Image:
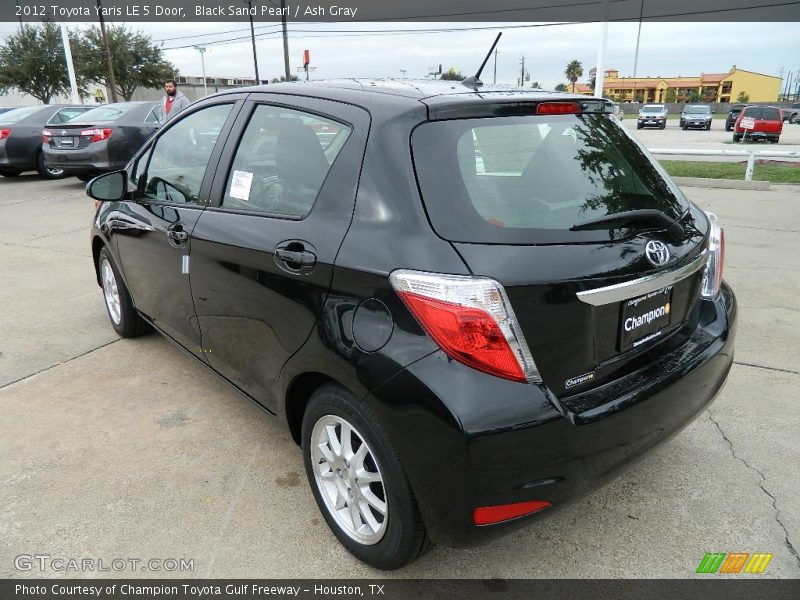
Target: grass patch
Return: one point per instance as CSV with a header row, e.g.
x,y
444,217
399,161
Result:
x,y
771,171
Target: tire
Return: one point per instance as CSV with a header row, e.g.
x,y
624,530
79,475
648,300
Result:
x,y
682,124
638,126
793,119
119,306
10,172
737,137
684,127
708,126
393,540
45,171
662,126
728,127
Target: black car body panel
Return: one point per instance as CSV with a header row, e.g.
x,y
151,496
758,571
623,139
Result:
x,y
78,155
21,147
279,304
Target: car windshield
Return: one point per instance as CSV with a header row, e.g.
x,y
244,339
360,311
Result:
x,y
529,179
105,114
15,116
653,109
698,110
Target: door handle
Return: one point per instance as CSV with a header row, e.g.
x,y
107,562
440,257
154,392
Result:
x,y
304,258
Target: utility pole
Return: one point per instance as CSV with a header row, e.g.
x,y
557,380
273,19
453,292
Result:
x,y
73,83
601,51
253,39
288,72
522,73
112,82
638,36
202,52
495,67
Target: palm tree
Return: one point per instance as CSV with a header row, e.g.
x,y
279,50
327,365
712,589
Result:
x,y
574,71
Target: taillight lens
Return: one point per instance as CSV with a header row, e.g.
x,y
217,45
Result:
x,y
47,136
471,319
97,135
558,108
712,278
4,133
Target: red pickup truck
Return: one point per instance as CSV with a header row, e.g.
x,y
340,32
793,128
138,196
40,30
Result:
x,y
759,122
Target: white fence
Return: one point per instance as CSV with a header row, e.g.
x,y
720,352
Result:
x,y
751,155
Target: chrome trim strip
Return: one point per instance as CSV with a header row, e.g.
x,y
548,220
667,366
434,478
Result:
x,y
644,285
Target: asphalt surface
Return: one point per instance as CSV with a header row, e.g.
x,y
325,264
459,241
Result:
x,y
113,448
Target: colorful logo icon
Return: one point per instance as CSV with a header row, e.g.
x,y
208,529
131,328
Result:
x,y
734,562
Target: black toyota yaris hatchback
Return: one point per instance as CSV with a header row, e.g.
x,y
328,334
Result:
x,y
470,306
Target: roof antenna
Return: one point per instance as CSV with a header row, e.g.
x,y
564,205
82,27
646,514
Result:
x,y
475,80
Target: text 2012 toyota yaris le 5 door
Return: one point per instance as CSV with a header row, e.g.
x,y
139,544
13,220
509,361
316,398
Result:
x,y
469,307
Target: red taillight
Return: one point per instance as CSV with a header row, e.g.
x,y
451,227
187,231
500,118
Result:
x,y
4,133
47,136
486,515
471,319
467,334
558,108
97,135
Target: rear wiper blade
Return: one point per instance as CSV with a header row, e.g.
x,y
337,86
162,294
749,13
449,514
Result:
x,y
654,217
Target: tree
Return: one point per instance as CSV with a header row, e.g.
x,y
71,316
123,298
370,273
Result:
x,y
137,61
592,82
743,97
561,88
574,71
32,61
536,85
282,79
670,96
694,96
452,75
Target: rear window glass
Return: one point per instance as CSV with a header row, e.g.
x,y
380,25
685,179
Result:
x,y
529,179
106,114
16,115
754,112
771,114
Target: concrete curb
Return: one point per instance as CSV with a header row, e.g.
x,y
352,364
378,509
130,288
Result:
x,y
730,184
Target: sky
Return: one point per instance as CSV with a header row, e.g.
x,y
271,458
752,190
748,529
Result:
x,y
347,50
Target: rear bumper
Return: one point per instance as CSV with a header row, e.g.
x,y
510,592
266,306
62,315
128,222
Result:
x,y
482,441
79,161
758,135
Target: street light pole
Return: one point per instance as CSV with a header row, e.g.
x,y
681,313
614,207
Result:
x,y
203,63
285,42
112,82
73,84
253,39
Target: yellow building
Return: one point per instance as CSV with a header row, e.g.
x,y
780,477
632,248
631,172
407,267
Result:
x,y
709,87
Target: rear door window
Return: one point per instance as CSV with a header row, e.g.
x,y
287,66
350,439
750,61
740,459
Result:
x,y
754,112
282,161
528,180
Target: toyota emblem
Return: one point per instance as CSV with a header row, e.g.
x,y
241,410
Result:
x,y
657,253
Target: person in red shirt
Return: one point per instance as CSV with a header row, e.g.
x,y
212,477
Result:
x,y
174,102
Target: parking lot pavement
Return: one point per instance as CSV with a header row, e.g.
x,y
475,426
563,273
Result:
x,y
127,448
714,139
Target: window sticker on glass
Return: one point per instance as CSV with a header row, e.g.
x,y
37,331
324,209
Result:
x,y
240,185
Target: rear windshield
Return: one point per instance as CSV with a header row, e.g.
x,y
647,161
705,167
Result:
x,y
523,180
105,114
15,116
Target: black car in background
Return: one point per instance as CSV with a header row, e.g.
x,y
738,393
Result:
x,y
103,139
470,306
733,114
21,137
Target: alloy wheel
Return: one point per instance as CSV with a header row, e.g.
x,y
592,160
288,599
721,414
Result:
x,y
111,291
349,479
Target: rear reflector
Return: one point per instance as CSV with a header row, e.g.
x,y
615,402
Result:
x,y
471,320
558,108
4,133
487,515
97,135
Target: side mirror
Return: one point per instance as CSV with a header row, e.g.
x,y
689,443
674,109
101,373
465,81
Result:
x,y
108,187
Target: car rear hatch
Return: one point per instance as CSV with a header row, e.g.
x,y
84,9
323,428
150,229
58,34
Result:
x,y
67,136
601,256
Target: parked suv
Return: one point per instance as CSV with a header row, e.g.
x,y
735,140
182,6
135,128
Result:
x,y
759,123
791,114
733,114
469,306
698,116
652,115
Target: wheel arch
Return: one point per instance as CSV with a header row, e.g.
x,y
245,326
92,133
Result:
x,y
297,396
97,244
